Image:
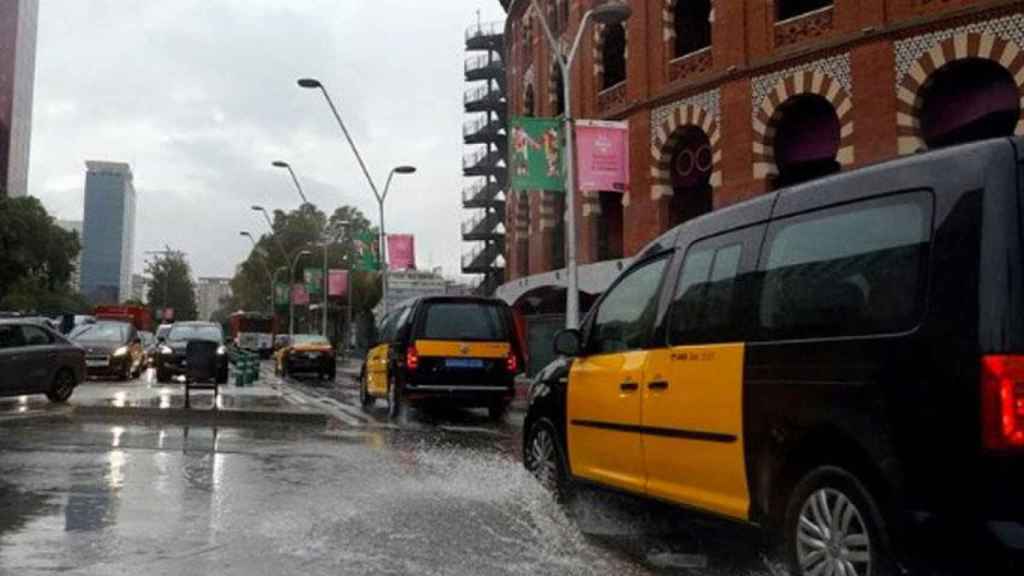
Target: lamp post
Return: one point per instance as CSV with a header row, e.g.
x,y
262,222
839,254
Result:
x,y
283,164
313,84
347,226
612,12
270,225
270,277
291,300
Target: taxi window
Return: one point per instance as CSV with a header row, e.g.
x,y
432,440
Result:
x,y
464,321
625,316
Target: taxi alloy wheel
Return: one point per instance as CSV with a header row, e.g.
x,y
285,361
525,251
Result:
x,y
543,459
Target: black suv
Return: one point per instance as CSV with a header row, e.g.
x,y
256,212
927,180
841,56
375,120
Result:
x,y
834,361
170,357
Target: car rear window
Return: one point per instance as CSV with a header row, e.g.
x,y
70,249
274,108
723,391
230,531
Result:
x,y
464,321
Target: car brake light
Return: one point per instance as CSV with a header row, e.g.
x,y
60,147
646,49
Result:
x,y
512,362
412,358
1002,402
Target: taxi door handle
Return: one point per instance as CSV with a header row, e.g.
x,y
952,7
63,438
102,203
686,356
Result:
x,y
657,385
629,386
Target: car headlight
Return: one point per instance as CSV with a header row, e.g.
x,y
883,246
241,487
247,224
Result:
x,y
222,350
121,351
166,350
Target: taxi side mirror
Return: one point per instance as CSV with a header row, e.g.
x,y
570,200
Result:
x,y
568,343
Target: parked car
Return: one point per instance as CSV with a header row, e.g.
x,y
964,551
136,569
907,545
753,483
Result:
x,y
461,350
309,353
833,361
36,360
112,349
170,359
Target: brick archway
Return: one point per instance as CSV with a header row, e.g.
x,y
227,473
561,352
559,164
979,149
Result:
x,y
910,89
766,117
667,136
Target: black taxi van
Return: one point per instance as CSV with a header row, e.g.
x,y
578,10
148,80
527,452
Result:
x,y
833,362
457,349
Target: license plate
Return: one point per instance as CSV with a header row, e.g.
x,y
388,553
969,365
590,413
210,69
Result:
x,y
312,355
464,363
97,363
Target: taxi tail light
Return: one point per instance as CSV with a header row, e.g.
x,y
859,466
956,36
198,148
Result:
x,y
1002,402
412,358
512,362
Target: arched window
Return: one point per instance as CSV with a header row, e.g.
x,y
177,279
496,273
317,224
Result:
x,y
793,8
529,103
692,26
691,176
806,139
969,99
613,55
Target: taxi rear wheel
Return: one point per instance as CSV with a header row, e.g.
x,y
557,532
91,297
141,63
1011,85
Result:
x,y
365,399
394,399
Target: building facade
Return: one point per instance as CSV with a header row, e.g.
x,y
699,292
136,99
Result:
x,y
108,233
18,20
76,274
210,292
727,100
139,284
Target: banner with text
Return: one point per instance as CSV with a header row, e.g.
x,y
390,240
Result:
x,y
314,279
602,154
401,252
535,154
299,295
337,283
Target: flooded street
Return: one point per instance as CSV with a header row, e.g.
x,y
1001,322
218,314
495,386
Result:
x,y
100,499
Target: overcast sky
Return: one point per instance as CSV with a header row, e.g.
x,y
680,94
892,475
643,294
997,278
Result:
x,y
199,96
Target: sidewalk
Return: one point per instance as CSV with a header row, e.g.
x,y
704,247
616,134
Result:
x,y
145,399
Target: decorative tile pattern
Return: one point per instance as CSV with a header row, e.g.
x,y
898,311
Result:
x,y
701,110
1000,40
812,25
836,67
612,97
689,65
910,50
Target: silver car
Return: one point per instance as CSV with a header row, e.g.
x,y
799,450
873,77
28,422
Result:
x,y
34,359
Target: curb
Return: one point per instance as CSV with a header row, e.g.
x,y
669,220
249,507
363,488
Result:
x,y
201,416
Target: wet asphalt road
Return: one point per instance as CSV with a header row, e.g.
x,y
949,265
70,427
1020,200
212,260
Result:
x,y
440,492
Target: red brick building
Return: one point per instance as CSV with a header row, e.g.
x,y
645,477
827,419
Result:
x,y
727,99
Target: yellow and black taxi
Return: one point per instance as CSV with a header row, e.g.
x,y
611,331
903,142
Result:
x,y
307,353
835,362
461,350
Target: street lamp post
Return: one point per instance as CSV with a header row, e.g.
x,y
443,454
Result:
x,y
283,164
270,277
607,13
270,224
291,300
313,83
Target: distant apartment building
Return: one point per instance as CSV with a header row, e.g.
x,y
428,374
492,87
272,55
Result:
x,y
108,232
17,75
210,292
76,274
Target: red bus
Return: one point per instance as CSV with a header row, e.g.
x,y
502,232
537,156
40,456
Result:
x,y
135,315
254,332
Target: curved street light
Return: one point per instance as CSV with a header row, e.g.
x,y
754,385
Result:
x,y
606,13
266,266
295,179
314,84
291,300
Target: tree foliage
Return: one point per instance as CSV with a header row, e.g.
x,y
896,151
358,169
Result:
x,y
171,286
298,230
37,259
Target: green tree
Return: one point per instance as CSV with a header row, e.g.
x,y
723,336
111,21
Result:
x,y
298,230
171,286
36,257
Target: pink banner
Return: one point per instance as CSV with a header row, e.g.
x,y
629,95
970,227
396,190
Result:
x,y
401,252
337,283
300,296
602,153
